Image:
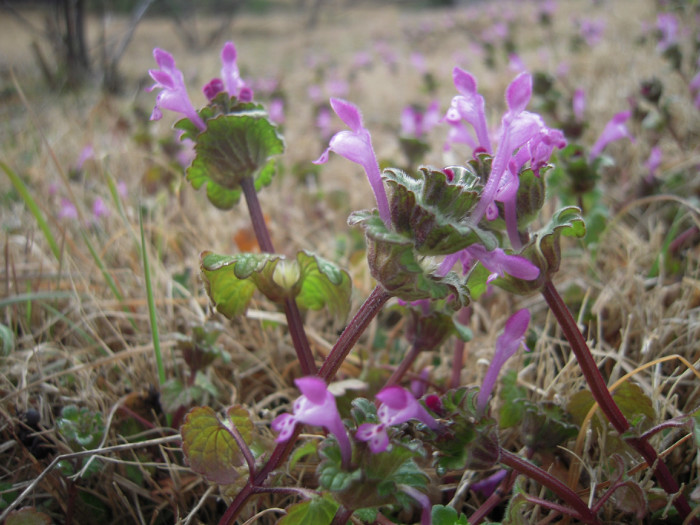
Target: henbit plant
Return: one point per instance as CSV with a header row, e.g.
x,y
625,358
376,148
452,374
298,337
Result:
x,y
377,456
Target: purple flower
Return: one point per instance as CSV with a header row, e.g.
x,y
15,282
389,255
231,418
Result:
x,y
86,153
591,30
230,74
654,161
614,130
507,344
496,261
667,25
356,146
488,485
398,406
99,209
276,110
578,104
68,210
422,499
469,105
416,123
174,95
316,406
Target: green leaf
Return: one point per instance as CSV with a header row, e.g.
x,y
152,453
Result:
x,y
544,250
323,285
228,292
308,448
467,440
514,400
80,427
319,511
434,211
545,425
395,265
314,282
442,515
7,339
27,516
209,447
374,480
234,146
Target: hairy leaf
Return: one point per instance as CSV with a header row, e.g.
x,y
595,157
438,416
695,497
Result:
x,y
319,511
209,447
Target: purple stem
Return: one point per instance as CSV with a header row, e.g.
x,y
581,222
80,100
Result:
x,y
243,447
403,367
544,478
291,310
606,402
369,309
342,347
342,516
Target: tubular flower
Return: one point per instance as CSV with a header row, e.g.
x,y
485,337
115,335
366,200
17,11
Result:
x,y
507,344
614,130
469,105
316,406
356,146
398,406
496,261
174,95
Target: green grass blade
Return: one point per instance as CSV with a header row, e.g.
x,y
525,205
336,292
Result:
x,y
151,305
33,208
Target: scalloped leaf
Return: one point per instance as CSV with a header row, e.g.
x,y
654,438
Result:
x,y
375,480
544,250
393,263
433,210
208,445
234,146
319,511
313,281
229,293
323,285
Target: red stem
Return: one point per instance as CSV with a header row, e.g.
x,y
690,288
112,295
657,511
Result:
x,y
291,310
606,402
544,478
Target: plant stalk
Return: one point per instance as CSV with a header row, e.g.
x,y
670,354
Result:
x,y
355,328
342,516
544,478
291,310
605,400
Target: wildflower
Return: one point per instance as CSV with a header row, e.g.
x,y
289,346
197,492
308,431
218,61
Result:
x,y
578,104
614,130
507,344
316,406
496,261
398,406
416,123
231,76
174,95
276,110
68,210
488,485
469,105
356,146
654,161
422,499
667,26
99,209
86,153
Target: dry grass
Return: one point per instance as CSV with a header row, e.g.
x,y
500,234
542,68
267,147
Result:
x,y
75,343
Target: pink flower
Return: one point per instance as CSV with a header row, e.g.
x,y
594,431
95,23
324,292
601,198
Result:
x,y
578,104
398,406
230,74
469,106
507,344
496,261
356,146
99,209
667,25
614,130
276,110
174,95
416,123
316,406
654,161
68,210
